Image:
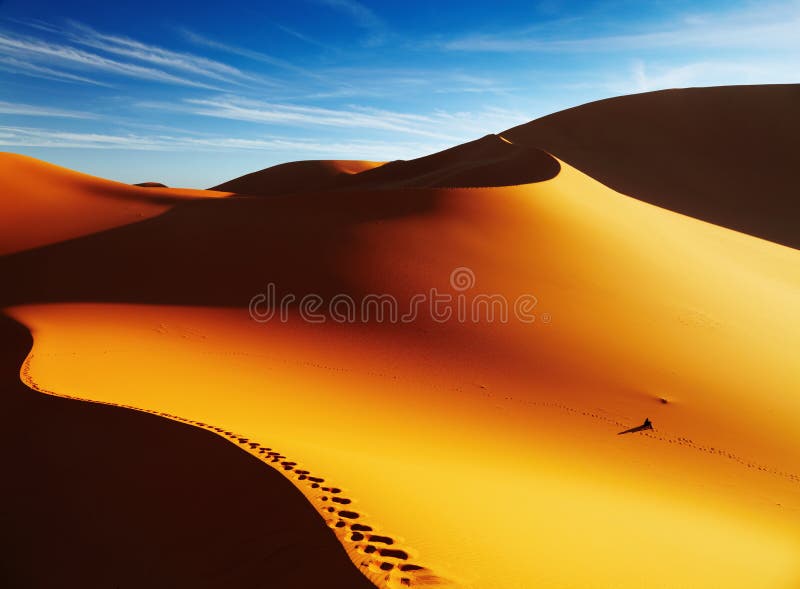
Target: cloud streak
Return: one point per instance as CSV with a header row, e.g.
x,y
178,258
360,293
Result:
x,y
34,51
241,109
18,66
15,108
648,76
767,28
362,16
440,125
204,41
158,56
15,136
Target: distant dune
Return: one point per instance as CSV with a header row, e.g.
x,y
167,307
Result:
x,y
43,203
489,161
151,185
478,450
294,177
726,155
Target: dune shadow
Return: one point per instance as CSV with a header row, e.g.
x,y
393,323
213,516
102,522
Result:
x,y
215,252
491,161
647,425
690,150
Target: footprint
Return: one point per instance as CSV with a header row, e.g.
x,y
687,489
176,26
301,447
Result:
x,y
341,520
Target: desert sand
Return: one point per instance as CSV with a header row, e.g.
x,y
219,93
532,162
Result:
x,y
458,454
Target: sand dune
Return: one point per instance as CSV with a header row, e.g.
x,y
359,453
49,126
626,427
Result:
x,y
43,203
726,155
489,161
294,177
151,185
456,453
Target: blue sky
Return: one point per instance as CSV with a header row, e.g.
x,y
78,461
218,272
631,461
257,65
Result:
x,y
191,94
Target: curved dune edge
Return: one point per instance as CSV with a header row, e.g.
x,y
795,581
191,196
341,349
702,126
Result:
x,y
377,556
278,461
294,177
690,150
88,502
493,161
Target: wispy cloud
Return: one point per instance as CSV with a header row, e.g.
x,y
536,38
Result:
x,y
236,108
41,137
648,76
259,56
303,37
203,67
444,126
362,16
15,108
18,66
773,27
34,51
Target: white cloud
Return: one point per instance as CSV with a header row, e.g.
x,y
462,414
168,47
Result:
x,y
41,137
651,76
305,38
14,108
18,66
165,58
33,51
363,17
232,107
765,27
451,127
38,137
204,41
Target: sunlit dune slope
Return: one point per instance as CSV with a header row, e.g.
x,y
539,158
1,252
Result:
x,y
486,452
727,155
41,203
293,177
98,497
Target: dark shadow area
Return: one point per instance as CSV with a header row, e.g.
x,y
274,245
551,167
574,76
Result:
x,y
95,496
216,252
292,178
647,425
489,161
726,155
